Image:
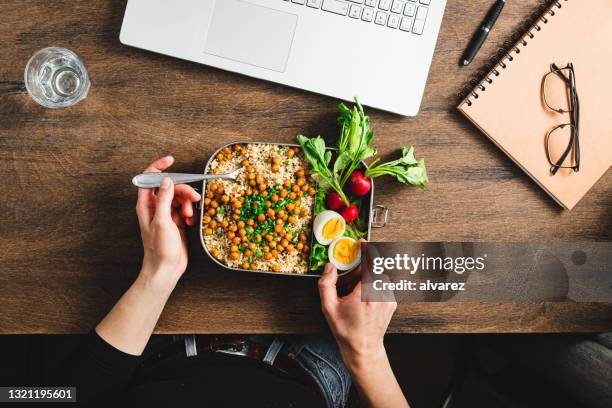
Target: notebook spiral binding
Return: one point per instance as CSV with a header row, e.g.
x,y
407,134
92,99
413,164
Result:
x,y
506,54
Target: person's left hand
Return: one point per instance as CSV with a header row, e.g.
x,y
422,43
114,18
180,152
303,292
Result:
x,y
162,217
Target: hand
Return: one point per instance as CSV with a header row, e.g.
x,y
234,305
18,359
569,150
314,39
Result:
x,y
162,217
359,327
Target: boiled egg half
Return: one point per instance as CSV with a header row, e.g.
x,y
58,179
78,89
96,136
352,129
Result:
x,y
344,253
328,225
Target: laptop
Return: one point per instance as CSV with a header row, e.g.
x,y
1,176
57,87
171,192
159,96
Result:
x,y
377,50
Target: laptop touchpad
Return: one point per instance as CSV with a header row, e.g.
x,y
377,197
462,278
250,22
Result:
x,y
252,34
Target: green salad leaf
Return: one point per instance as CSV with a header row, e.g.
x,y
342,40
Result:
x,y
407,169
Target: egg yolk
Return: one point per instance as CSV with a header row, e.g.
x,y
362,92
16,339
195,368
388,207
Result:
x,y
346,251
333,228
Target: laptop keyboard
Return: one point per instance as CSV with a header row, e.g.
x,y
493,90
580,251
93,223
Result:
x,y
404,15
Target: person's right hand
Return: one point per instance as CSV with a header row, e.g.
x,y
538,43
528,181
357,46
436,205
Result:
x,y
162,217
359,327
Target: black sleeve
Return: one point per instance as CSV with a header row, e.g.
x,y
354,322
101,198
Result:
x,y
97,369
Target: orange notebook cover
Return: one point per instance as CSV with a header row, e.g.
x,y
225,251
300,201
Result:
x,y
508,107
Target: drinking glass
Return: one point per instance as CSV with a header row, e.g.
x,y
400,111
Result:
x,y
55,77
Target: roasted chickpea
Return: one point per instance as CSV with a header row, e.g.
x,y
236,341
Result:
x,y
245,265
284,242
252,246
290,248
262,187
279,221
249,192
215,253
237,204
276,160
268,204
271,213
274,253
278,229
241,232
212,187
261,217
305,188
299,246
233,228
241,224
213,224
300,193
292,220
208,231
207,201
269,237
283,193
237,147
267,256
211,212
274,198
225,198
224,224
292,195
245,163
209,194
264,193
236,240
206,219
237,212
234,256
251,176
234,248
272,245
300,173
290,153
214,204
258,238
276,268
231,235
235,216
288,236
281,213
275,168
311,191
300,182
248,253
250,221
252,183
290,206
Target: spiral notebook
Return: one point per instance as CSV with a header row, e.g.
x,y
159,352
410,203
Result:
x,y
507,104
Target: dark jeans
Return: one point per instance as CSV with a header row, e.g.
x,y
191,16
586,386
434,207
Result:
x,y
318,355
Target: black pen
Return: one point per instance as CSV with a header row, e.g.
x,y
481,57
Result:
x,y
481,35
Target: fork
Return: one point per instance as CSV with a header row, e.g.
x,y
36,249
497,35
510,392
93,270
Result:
x,y
153,180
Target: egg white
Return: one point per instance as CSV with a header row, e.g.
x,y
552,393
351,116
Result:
x,y
339,265
319,222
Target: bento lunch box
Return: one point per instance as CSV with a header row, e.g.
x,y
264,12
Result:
x,y
376,216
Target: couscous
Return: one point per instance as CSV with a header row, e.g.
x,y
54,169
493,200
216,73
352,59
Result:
x,y
261,221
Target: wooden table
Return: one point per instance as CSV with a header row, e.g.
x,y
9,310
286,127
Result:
x,y
69,237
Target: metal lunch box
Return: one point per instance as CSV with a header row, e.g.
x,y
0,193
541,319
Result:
x,y
377,215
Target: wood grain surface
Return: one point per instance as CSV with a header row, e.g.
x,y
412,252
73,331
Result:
x,y
68,232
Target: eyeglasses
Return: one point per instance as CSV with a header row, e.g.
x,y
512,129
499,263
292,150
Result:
x,y
560,96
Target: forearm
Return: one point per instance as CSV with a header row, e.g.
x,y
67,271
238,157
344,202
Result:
x,y
128,326
374,378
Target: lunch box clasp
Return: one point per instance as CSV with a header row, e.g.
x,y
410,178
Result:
x,y
378,216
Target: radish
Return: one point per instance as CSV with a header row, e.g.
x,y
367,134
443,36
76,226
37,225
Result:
x,y
350,213
359,184
334,201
